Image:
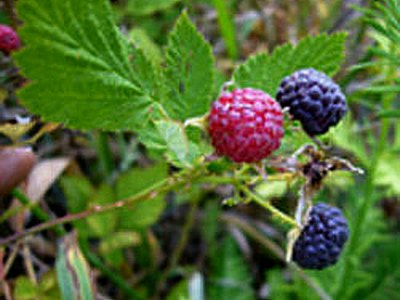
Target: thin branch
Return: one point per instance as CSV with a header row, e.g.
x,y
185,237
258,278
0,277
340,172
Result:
x,y
268,206
148,194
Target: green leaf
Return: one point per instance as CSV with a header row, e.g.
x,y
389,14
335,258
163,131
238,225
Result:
x,y
272,189
102,224
78,65
143,213
73,271
174,136
230,278
77,190
389,114
383,89
387,173
180,291
48,281
227,26
148,77
118,240
280,289
189,71
385,265
25,289
265,72
147,7
143,41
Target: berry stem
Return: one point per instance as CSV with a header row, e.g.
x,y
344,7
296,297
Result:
x,y
303,204
268,206
190,176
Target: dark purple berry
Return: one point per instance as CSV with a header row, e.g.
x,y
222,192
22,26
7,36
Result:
x,y
313,99
322,239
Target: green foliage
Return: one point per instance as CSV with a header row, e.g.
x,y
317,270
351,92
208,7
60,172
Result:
x,y
76,57
384,19
103,82
265,72
103,224
230,278
189,70
84,73
77,191
25,289
227,26
147,7
142,40
144,213
188,289
174,136
47,288
385,265
115,229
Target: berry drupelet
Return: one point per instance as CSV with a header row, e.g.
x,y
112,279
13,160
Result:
x,y
313,99
322,239
245,125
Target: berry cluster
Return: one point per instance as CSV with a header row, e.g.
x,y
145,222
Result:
x,y
9,40
245,125
322,239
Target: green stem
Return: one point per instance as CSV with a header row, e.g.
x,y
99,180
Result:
x,y
227,27
12,211
36,210
165,185
268,206
196,175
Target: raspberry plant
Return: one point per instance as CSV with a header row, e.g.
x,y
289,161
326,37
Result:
x,y
93,79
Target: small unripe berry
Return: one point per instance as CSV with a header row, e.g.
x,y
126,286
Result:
x,y
9,40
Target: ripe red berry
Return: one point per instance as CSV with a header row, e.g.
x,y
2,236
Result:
x,y
9,40
245,125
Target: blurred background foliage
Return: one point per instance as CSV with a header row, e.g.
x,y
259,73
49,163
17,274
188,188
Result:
x,y
186,244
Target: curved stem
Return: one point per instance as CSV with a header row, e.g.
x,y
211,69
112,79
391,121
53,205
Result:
x,y
147,194
268,206
165,185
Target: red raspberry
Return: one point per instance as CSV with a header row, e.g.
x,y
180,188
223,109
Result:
x,y
9,40
245,125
